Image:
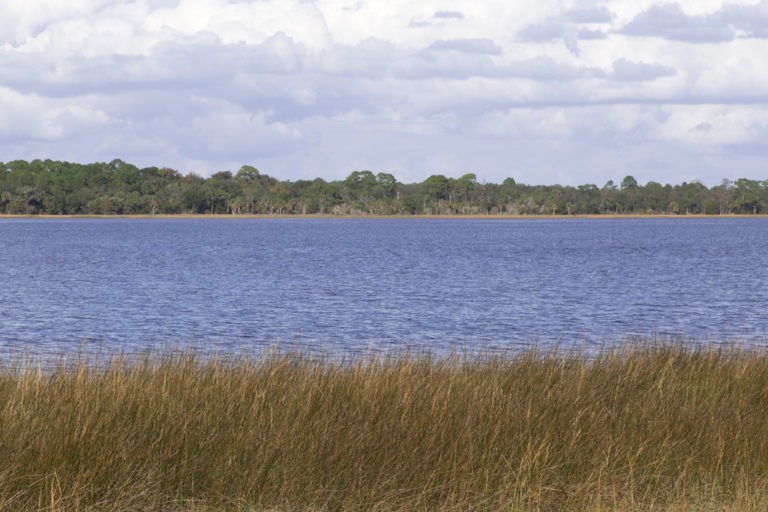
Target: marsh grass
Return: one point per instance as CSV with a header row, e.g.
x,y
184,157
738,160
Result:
x,y
654,427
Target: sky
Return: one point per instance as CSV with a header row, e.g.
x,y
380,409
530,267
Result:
x,y
552,91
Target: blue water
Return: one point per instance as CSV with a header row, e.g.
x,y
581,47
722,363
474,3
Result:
x,y
353,285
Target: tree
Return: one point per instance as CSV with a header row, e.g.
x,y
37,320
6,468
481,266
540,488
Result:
x,y
5,200
437,187
587,199
608,197
463,187
223,193
653,198
508,194
359,187
628,183
386,185
248,173
747,195
49,186
690,198
194,197
724,192
27,200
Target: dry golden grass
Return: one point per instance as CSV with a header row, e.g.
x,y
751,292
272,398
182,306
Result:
x,y
659,427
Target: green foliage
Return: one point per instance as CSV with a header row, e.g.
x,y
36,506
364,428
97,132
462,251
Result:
x,y
629,182
118,187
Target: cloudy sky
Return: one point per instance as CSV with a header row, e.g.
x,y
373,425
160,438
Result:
x,y
552,91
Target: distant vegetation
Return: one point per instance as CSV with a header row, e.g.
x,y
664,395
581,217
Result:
x,y
657,428
52,187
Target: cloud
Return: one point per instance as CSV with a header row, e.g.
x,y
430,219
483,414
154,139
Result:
x,y
230,132
163,4
670,22
370,58
625,70
448,15
479,46
712,126
443,65
23,20
586,34
419,23
750,21
595,14
653,140
725,24
548,30
464,63
33,118
568,27
243,22
547,69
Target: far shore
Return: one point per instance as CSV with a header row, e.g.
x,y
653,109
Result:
x,y
220,216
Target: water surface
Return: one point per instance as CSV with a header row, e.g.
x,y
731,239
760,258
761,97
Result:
x,y
347,285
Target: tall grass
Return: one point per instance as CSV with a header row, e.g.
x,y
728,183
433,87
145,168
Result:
x,y
661,427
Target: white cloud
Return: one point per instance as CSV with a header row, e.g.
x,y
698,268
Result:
x,y
713,25
708,127
32,16
248,22
35,118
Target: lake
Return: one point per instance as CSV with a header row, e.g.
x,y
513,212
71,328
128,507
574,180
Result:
x,y
349,285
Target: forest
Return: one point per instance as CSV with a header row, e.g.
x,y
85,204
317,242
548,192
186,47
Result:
x,y
120,188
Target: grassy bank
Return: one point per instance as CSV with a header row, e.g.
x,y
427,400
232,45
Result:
x,y
651,428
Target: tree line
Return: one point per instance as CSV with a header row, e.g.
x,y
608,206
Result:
x,y
56,187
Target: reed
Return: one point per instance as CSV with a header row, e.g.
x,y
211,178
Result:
x,y
643,427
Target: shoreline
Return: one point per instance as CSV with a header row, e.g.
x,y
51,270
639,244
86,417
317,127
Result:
x,y
182,216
